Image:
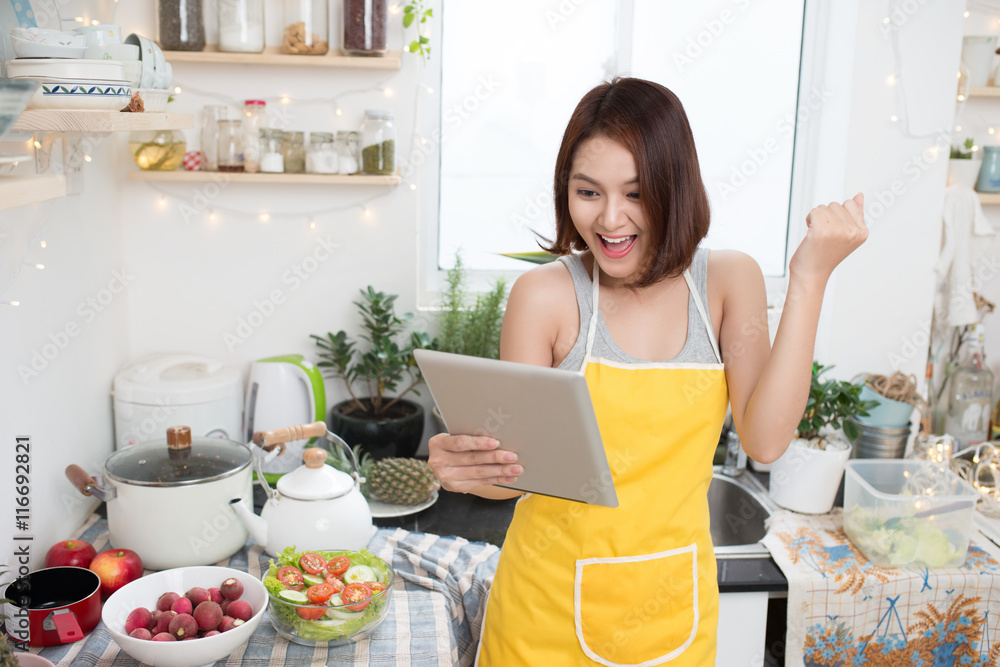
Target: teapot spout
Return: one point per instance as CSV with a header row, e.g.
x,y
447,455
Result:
x,y
254,524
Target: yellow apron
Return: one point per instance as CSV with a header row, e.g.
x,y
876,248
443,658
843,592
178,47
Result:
x,y
580,584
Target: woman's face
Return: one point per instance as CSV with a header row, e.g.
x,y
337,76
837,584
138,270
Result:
x,y
604,207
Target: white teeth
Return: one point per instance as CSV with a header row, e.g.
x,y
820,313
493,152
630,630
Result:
x,y
621,239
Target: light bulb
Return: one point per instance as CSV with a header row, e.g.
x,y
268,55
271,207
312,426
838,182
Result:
x,y
975,148
365,212
394,8
162,202
43,244
893,118
212,217
40,267
177,90
95,22
285,99
966,14
413,186
991,130
961,98
958,128
891,80
37,143
886,20
264,216
79,19
12,303
312,224
87,158
387,91
339,111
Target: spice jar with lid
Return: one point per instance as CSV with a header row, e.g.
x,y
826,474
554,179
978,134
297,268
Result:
x,y
321,156
294,151
241,26
364,27
306,31
231,145
180,25
255,118
378,141
272,159
348,149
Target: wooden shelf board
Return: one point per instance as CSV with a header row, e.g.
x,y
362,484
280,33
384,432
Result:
x,y
182,175
66,120
272,55
23,190
985,91
988,198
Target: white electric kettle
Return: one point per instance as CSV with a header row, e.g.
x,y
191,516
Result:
x,y
283,390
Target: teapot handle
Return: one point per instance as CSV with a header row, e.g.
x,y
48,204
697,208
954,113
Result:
x,y
337,440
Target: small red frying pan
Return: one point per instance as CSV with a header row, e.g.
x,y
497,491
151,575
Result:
x,y
56,605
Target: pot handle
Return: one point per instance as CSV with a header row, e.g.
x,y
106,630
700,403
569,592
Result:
x,y
267,440
66,625
86,484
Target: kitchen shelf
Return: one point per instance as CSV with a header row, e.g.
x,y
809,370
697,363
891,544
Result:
x,y
985,91
272,55
988,198
182,175
23,190
66,120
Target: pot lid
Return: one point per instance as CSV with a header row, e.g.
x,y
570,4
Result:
x,y
178,461
315,480
177,379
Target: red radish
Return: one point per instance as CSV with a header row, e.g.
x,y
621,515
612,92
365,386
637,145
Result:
x,y
164,637
228,623
141,633
232,588
163,622
138,618
215,595
183,625
240,609
208,614
182,606
166,600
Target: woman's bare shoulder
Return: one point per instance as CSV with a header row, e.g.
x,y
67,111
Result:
x,y
540,307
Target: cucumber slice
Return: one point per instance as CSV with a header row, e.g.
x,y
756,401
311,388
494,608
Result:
x,y
313,579
342,614
359,574
298,597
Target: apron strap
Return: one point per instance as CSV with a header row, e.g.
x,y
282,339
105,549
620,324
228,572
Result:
x,y
592,327
704,315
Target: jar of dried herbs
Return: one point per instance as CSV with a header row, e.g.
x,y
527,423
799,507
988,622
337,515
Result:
x,y
180,25
294,151
364,27
306,31
378,142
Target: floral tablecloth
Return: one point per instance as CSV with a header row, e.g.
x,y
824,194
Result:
x,y
844,611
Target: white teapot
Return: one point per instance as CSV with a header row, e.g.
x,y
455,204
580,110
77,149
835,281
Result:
x,y
315,507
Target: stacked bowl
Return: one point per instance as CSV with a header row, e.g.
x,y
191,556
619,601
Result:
x,y
881,442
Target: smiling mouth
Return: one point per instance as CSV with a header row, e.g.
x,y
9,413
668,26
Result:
x,y
617,246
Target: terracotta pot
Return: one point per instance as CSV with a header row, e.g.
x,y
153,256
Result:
x,y
382,438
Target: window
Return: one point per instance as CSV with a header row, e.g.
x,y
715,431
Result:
x,y
511,75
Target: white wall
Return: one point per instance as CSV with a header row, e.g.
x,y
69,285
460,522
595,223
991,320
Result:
x,y
192,280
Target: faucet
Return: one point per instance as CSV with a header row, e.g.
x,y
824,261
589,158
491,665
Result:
x,y
736,458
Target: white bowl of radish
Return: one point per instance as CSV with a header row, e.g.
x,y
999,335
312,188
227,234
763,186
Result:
x,y
327,598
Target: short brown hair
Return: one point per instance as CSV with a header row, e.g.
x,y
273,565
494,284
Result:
x,y
648,120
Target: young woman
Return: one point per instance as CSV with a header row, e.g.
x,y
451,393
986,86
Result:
x,y
668,335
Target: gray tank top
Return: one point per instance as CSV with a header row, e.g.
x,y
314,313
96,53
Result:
x,y
699,347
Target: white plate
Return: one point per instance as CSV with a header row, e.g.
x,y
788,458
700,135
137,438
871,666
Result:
x,y
381,510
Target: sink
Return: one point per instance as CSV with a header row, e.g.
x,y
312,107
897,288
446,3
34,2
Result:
x,y
738,508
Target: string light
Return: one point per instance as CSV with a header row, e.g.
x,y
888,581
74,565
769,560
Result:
x,y
312,224
365,212
958,128
891,80
37,143
413,186
886,20
387,91
264,216
87,158
339,111
961,98
40,267
893,118
177,90
430,91
95,22
79,19
394,8
966,14
991,130
212,217
285,99
162,202
11,303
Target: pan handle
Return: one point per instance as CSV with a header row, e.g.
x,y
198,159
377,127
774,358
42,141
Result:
x,y
267,440
86,484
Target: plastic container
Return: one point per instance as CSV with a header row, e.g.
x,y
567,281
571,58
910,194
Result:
x,y
907,513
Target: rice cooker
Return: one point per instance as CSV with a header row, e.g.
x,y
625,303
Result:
x,y
158,391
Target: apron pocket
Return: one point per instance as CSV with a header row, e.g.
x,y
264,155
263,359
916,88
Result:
x,y
637,610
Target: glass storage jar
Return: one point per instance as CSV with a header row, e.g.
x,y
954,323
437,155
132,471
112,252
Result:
x,y
255,118
230,145
241,26
272,159
180,25
157,150
365,23
210,117
306,31
348,151
378,142
321,156
294,150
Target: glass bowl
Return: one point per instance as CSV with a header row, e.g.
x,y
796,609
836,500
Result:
x,y
339,624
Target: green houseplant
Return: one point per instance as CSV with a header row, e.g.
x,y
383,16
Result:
x,y
963,167
376,414
807,476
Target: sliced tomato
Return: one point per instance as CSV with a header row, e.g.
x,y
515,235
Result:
x,y
311,613
375,587
356,596
291,577
312,563
338,565
320,593
336,582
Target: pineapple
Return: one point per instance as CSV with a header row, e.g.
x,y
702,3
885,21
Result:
x,y
401,481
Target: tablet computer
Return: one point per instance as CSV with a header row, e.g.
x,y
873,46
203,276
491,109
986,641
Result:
x,y
543,414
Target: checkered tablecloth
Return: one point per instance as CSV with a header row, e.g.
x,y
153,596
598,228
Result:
x,y
436,610
844,610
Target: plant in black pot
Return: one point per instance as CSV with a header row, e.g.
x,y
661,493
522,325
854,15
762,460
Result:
x,y
376,415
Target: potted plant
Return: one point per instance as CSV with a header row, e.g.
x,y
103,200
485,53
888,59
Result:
x,y
806,477
963,168
379,417
473,330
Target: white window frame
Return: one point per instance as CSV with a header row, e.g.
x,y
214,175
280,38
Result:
x,y
823,128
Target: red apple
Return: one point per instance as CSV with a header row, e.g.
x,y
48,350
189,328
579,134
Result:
x,y
116,568
76,553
